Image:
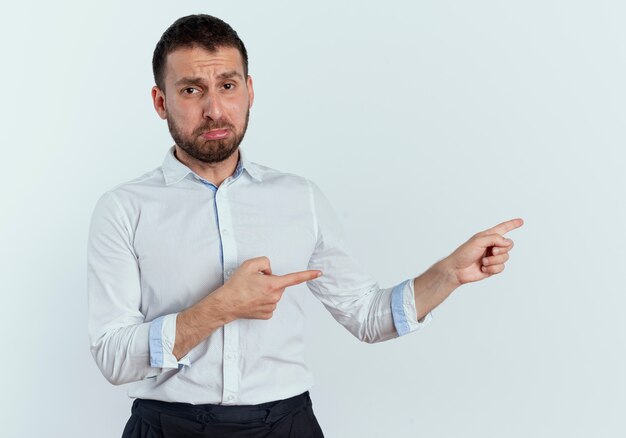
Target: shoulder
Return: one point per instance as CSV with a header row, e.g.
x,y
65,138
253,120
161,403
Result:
x,y
127,196
138,185
271,176
289,186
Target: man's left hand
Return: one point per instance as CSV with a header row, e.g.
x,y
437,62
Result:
x,y
483,255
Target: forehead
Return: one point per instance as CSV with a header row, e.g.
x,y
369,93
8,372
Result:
x,y
198,61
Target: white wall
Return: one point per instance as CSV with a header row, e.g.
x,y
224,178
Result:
x,y
424,122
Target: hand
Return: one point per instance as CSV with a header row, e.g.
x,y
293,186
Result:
x,y
484,254
253,292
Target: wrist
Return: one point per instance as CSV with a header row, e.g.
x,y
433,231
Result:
x,y
198,322
447,271
219,306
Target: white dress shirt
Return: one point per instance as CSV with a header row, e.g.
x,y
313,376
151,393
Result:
x,y
160,243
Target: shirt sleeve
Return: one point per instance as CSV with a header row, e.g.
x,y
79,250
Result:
x,y
125,346
354,299
162,338
403,309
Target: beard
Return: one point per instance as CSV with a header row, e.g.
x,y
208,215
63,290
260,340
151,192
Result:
x,y
208,151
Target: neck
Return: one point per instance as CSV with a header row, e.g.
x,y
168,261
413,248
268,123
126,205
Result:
x,y
215,173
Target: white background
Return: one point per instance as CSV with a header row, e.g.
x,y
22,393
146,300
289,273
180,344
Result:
x,y
423,122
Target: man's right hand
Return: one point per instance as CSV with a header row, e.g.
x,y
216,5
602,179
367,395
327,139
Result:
x,y
253,291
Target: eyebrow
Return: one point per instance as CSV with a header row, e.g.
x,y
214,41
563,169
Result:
x,y
229,74
193,80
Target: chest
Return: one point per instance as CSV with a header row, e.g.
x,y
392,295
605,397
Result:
x,y
187,246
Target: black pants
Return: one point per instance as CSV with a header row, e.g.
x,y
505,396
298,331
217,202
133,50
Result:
x,y
289,418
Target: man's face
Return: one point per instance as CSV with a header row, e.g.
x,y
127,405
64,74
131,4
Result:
x,y
206,101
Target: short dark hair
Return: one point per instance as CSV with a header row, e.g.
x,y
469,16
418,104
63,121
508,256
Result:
x,y
201,30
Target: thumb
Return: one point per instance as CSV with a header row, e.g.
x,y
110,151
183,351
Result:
x,y
493,240
259,264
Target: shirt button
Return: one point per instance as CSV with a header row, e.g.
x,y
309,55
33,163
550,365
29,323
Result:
x,y
229,272
224,231
230,356
230,398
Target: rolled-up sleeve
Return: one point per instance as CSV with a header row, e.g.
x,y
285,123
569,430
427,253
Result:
x,y
121,340
162,338
354,299
403,309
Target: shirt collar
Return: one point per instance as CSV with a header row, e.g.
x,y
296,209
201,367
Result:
x,y
174,170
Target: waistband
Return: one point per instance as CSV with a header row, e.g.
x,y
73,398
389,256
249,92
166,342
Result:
x,y
209,413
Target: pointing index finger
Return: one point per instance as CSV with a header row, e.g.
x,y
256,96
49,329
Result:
x,y
294,278
505,227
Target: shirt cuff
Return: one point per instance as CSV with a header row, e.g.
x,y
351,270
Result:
x,y
162,337
403,309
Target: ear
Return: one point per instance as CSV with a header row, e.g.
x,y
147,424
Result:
x,y
158,100
250,91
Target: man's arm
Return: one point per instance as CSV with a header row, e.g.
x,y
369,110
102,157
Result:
x,y
355,299
119,335
374,314
482,256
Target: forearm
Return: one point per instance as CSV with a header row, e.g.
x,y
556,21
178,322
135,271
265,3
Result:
x,y
433,287
198,322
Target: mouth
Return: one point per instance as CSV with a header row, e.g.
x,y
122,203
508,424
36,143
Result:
x,y
216,134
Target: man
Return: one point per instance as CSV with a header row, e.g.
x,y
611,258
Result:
x,y
188,264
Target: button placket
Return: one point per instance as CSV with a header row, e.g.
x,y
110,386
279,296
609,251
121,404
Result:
x,y
231,330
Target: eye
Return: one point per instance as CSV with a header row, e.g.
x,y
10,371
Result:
x,y
190,90
229,86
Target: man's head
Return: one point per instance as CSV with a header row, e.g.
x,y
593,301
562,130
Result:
x,y
202,86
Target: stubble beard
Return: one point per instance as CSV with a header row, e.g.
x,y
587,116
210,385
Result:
x,y
208,151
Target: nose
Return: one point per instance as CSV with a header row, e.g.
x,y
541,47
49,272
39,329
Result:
x,y
213,107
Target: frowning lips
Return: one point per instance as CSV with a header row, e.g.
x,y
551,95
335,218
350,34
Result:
x,y
216,134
